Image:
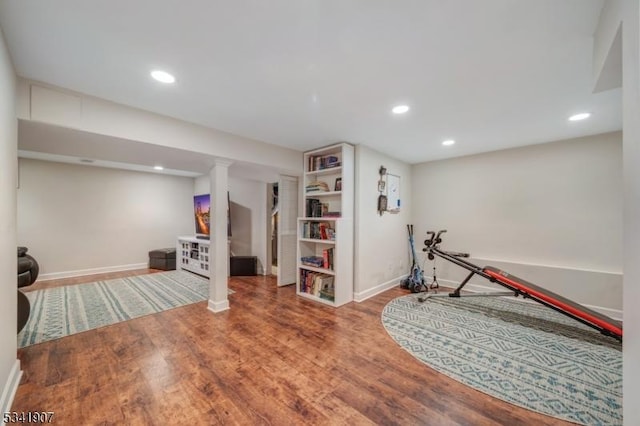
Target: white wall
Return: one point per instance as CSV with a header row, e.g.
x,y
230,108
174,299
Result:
x,y
248,217
381,242
552,210
78,219
631,147
248,212
9,366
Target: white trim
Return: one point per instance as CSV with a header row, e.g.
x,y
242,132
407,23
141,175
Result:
x,y
615,314
102,163
11,387
362,296
93,271
477,288
217,307
587,287
488,261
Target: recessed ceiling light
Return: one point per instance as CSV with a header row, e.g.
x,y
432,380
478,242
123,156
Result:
x,y
163,76
581,116
400,109
448,142
158,167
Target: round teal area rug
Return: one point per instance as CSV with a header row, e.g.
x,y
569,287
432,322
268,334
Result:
x,y
520,352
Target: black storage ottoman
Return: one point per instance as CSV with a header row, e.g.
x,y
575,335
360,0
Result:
x,y
164,259
243,266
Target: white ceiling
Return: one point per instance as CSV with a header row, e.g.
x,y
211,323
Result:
x,y
490,74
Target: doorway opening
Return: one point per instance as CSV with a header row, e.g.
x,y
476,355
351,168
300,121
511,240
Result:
x,y
273,192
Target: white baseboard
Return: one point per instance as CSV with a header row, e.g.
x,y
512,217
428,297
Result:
x,y
364,295
10,387
216,307
93,271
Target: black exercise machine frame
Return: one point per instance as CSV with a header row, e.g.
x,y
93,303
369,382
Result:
x,y
431,247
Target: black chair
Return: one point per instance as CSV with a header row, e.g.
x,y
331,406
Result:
x,y
28,270
24,310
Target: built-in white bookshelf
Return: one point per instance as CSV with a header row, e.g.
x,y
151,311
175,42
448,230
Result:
x,y
193,255
325,232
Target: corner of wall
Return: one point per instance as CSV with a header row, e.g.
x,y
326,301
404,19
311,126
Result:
x,y
10,387
378,236
9,365
607,48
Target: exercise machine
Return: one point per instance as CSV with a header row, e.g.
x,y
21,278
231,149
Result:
x,y
518,287
435,285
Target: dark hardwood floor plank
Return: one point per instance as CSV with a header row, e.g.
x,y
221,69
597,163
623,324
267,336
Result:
x,y
273,358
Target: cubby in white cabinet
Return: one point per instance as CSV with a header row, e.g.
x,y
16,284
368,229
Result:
x,y
193,255
325,233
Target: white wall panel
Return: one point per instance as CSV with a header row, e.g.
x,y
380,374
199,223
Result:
x,y
556,205
9,366
82,218
381,242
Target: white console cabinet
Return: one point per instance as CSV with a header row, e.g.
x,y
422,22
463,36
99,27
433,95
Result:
x,y
193,255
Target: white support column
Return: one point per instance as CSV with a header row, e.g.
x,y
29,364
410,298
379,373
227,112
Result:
x,y
218,290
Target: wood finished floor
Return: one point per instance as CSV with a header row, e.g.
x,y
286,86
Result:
x,y
273,358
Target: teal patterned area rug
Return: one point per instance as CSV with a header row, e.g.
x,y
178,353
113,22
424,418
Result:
x,y
520,352
61,311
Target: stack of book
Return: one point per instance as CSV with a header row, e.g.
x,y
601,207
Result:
x,y
316,261
325,261
317,186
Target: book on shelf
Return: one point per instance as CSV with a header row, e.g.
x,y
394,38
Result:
x,y
317,284
331,234
315,208
331,214
322,228
318,231
323,282
327,258
328,293
321,162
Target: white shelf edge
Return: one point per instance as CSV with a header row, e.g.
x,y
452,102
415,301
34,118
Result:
x,y
313,194
316,298
319,219
318,240
325,171
314,269
329,149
